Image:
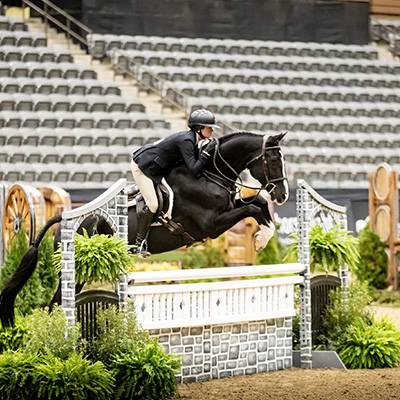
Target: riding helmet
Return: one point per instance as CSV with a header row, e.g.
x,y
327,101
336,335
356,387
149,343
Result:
x,y
202,118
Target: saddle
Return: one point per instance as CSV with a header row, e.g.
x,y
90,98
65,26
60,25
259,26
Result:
x,y
163,216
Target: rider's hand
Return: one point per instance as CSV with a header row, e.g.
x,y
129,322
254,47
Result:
x,y
209,147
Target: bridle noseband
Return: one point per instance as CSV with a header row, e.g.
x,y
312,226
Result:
x,y
270,183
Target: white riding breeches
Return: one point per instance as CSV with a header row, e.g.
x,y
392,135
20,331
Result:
x,y
146,187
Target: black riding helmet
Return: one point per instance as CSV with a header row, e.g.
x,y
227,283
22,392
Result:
x,y
202,118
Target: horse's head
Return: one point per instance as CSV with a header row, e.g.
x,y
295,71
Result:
x,y
269,169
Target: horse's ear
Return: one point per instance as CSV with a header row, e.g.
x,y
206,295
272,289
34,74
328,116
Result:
x,y
281,136
276,138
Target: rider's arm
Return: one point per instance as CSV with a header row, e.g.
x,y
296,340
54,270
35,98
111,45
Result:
x,y
193,164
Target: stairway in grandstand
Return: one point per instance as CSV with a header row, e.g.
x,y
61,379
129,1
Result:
x,y
74,119
63,118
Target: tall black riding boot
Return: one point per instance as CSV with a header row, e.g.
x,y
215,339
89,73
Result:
x,y
144,224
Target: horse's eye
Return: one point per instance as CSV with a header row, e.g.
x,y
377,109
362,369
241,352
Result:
x,y
274,160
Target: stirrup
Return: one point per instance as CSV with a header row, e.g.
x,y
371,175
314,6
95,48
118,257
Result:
x,y
141,249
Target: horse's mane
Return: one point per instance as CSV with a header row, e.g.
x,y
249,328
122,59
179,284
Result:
x,y
233,135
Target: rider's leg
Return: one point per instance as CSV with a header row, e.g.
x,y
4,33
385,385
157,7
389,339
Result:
x,y
148,191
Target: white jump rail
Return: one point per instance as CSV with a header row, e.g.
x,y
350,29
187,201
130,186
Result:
x,y
195,304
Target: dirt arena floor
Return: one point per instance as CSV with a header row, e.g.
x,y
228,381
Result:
x,y
299,384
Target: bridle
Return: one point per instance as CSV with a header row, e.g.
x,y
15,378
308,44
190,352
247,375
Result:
x,y
270,183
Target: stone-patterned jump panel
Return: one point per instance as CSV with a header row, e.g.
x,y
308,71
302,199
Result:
x,y
218,351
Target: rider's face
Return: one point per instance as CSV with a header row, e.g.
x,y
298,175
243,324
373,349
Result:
x,y
207,131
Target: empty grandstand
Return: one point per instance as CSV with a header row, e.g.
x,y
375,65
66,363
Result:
x,y
61,121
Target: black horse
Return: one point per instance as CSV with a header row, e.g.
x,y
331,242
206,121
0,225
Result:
x,y
204,206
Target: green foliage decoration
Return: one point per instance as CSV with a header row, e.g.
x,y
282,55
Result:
x,y
116,332
328,249
139,364
41,286
99,258
207,257
386,297
16,375
48,275
12,338
25,376
344,309
373,262
145,371
75,378
371,345
50,333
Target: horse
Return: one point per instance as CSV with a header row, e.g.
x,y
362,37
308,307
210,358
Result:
x,y
203,207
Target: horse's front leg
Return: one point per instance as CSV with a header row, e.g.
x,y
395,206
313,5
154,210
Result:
x,y
225,220
267,227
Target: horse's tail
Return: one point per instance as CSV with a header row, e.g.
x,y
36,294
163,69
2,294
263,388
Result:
x,y
21,276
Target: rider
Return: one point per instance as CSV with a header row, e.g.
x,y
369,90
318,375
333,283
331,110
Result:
x,y
152,162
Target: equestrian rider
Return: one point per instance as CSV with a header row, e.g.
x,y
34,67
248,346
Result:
x,y
152,162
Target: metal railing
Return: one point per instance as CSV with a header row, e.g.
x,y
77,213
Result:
x,y
70,21
146,79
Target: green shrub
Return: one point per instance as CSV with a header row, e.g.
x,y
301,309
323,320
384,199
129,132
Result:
x,y
99,258
273,253
370,345
42,284
116,332
328,249
345,308
50,333
12,338
16,375
208,257
48,275
373,262
25,376
72,379
140,365
145,371
386,297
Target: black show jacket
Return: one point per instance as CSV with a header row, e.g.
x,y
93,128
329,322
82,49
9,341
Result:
x,y
156,160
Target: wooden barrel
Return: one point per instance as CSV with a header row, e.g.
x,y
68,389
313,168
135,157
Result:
x,y
24,205
32,207
56,200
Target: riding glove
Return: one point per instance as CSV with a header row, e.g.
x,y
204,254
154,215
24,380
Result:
x,y
209,147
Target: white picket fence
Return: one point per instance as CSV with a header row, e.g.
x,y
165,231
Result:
x,y
194,304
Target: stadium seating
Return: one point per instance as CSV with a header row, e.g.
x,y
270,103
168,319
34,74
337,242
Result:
x,y
58,122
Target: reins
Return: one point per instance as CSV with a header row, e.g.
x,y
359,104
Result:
x,y
270,183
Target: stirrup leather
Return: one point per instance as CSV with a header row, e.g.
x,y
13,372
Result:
x,y
140,249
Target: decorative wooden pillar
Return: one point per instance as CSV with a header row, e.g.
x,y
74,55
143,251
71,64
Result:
x,y
384,214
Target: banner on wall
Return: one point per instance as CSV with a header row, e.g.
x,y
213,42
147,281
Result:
x,y
355,201
288,20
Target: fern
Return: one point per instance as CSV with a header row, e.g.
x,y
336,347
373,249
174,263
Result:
x,y
99,258
145,372
72,379
16,371
329,249
374,345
